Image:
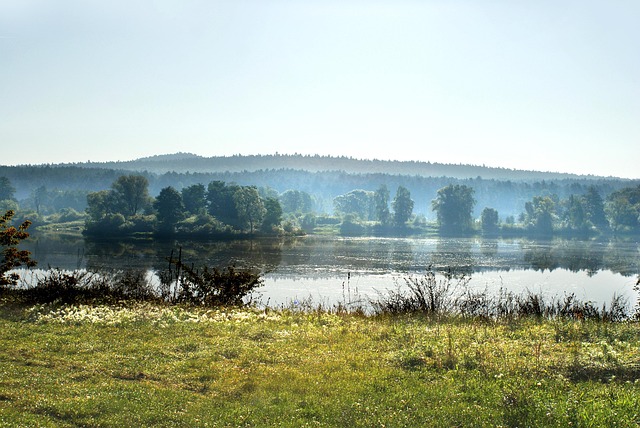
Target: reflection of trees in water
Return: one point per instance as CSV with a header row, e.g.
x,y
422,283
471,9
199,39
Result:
x,y
578,255
623,258
56,250
118,255
261,254
540,257
380,255
317,256
454,254
489,248
402,255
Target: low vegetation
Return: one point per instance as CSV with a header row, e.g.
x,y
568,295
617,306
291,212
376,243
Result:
x,y
142,364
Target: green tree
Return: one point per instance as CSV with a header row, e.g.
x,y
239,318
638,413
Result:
x,y
131,194
40,198
381,201
594,208
249,206
221,204
194,198
272,216
12,257
170,209
296,202
540,214
7,191
623,209
575,217
454,205
100,204
402,206
489,220
357,202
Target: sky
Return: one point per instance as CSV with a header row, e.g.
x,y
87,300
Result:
x,y
539,85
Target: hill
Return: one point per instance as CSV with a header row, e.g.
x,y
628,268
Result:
x,y
188,162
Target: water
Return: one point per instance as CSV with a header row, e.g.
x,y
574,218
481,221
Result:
x,y
333,269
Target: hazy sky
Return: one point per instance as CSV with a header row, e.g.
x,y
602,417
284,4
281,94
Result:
x,y
546,85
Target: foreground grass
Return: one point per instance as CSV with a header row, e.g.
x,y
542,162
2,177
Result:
x,y
144,365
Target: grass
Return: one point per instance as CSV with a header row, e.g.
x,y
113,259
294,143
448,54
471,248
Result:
x,y
154,365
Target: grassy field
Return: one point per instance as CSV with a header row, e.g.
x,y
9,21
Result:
x,y
150,365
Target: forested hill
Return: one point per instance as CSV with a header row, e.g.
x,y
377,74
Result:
x,y
186,162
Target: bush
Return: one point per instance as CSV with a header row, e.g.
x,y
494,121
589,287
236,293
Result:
x,y
80,286
452,296
209,286
12,258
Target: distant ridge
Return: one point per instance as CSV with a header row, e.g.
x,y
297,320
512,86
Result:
x,y
192,163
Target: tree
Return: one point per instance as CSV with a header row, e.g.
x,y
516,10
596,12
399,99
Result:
x,y
131,194
454,205
489,220
594,208
623,209
381,201
272,216
249,206
40,197
358,202
402,206
100,204
296,201
170,209
12,257
7,190
193,198
541,214
575,217
221,203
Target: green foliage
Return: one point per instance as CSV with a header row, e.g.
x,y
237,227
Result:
x,y
86,287
623,209
67,215
8,205
350,226
272,216
489,220
194,198
594,207
381,201
170,209
108,224
296,201
575,214
210,286
220,202
12,257
7,191
541,214
454,206
131,194
249,207
402,206
203,225
309,222
356,202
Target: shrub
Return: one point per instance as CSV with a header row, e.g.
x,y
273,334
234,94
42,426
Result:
x,y
12,257
209,286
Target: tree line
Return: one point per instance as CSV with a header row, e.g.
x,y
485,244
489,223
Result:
x,y
127,207
217,209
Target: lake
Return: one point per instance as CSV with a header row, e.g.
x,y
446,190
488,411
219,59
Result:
x,y
329,270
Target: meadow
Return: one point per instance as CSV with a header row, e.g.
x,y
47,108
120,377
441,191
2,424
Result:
x,y
154,364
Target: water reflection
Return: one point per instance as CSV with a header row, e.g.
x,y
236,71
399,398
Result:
x,y
314,256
